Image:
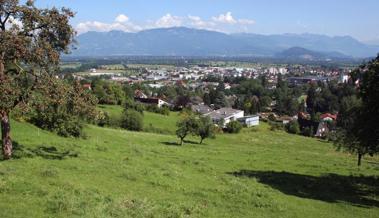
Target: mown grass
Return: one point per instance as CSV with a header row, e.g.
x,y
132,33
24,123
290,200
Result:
x,y
116,173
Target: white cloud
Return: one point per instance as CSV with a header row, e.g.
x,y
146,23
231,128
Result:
x,y
105,27
197,22
225,18
246,21
228,18
122,18
169,21
222,23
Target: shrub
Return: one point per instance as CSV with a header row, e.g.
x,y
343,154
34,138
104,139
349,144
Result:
x,y
293,127
274,126
132,120
307,131
233,127
159,110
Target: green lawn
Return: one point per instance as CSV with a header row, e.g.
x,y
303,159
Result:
x,y
116,173
151,122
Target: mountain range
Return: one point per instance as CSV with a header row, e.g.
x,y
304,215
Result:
x,y
182,41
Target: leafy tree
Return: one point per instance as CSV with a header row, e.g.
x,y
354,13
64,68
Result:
x,y
187,125
61,107
233,127
293,127
206,129
358,120
132,120
34,39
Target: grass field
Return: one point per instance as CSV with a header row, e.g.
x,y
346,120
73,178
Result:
x,y
151,121
116,173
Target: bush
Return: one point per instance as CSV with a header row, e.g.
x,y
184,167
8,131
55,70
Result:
x,y
61,123
307,131
274,126
132,120
293,127
159,110
233,127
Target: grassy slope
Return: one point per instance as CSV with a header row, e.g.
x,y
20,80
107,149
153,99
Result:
x,y
117,173
166,124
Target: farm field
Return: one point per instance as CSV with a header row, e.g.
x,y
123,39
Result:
x,y
117,173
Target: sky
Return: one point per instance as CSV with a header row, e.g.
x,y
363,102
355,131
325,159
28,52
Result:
x,y
357,18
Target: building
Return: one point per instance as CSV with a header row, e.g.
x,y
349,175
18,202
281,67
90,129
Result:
x,y
152,101
294,81
225,115
249,121
201,109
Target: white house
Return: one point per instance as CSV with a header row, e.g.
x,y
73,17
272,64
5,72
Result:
x,y
250,120
226,115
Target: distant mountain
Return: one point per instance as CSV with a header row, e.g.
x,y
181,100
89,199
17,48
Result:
x,y
181,41
305,54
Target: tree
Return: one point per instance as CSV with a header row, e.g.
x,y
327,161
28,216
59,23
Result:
x,y
187,125
293,127
132,120
358,120
233,127
34,39
60,106
206,129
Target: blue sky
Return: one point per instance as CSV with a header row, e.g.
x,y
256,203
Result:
x,y
358,18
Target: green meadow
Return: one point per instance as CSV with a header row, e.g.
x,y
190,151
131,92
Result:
x,y
117,173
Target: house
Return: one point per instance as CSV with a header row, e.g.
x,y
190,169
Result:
x,y
225,115
139,94
322,130
284,119
201,109
87,86
152,101
328,117
249,120
325,125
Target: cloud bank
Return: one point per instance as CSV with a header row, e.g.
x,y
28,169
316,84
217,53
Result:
x,y
223,22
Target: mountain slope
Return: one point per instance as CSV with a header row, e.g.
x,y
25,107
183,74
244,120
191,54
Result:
x,y
181,41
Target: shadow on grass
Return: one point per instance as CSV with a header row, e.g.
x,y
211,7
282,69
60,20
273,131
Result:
x,y
170,143
178,144
43,151
191,142
359,191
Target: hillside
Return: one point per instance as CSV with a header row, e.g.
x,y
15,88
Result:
x,y
305,54
116,173
181,41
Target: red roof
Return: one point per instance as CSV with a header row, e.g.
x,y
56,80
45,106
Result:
x,y
328,115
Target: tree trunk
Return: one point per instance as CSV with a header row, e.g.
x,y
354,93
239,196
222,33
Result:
x,y
359,159
181,141
6,136
201,141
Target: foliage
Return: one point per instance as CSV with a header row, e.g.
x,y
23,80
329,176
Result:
x,y
108,92
61,107
233,127
293,127
358,120
132,120
159,110
206,129
187,125
274,126
34,39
